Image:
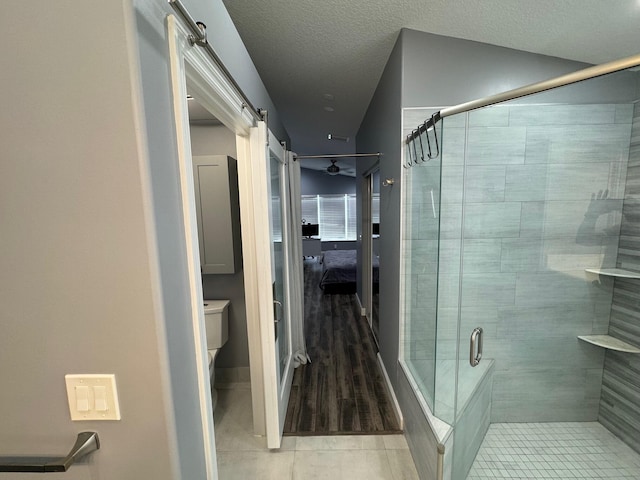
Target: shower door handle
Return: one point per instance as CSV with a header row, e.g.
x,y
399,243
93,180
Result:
x,y
475,348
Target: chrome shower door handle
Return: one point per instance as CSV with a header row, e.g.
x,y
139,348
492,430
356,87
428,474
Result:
x,y
475,347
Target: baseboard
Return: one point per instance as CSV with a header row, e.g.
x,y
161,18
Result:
x,y
392,393
363,311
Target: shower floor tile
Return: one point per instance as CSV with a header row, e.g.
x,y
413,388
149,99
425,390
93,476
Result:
x,y
554,450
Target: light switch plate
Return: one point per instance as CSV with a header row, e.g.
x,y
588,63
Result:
x,y
92,396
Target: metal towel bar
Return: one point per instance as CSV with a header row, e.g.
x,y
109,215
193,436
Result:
x,y
86,443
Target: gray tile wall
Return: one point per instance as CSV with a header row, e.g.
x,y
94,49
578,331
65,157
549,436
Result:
x,y
419,434
534,214
620,397
471,427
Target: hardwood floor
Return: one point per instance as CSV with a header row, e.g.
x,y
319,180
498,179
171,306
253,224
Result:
x,y
342,390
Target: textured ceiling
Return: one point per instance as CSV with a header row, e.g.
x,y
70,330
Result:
x,y
304,49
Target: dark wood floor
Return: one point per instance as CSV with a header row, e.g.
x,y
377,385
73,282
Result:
x,y
342,390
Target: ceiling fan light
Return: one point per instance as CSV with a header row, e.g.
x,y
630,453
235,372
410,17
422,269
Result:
x,y
333,169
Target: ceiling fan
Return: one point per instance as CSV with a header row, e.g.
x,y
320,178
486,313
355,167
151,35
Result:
x,y
333,169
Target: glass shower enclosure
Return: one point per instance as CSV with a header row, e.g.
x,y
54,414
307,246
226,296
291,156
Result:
x,y
521,257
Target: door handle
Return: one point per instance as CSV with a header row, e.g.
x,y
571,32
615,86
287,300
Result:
x,y
86,443
276,310
475,347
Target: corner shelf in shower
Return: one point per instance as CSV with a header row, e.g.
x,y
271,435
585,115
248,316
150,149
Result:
x,y
609,342
614,272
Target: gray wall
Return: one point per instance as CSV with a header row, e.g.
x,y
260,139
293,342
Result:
x,y
620,398
219,140
314,182
82,293
380,132
92,232
161,144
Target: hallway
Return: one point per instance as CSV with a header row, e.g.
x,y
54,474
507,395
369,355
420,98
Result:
x,y
342,390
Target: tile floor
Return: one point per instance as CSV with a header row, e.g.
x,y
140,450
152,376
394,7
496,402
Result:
x,y
554,450
243,456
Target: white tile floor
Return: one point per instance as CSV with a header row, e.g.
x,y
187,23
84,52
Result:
x,y
554,450
243,456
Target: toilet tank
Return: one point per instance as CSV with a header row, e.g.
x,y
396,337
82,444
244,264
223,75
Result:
x,y
216,318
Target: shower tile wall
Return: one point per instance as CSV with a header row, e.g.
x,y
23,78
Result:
x,y
620,400
543,191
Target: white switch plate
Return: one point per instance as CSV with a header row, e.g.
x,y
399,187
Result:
x,y
106,407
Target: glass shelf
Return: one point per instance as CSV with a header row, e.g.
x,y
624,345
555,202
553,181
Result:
x,y
609,342
614,272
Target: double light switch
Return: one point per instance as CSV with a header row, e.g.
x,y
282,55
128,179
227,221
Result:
x,y
92,397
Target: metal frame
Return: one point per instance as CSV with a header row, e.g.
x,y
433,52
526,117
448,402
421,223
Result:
x,y
199,37
568,79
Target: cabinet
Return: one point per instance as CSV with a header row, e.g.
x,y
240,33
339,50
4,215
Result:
x,y
311,247
218,213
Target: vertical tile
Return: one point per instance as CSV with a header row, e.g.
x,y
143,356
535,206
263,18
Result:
x,y
496,145
482,255
452,143
420,436
452,182
484,184
497,116
574,182
526,183
488,289
536,115
521,254
577,143
558,288
624,113
492,220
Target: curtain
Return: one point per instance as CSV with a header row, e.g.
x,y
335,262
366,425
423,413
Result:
x,y
299,345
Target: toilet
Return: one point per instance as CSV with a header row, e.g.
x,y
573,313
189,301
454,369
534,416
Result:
x,y
216,319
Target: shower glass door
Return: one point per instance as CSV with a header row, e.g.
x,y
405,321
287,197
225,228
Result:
x,y
540,206
421,237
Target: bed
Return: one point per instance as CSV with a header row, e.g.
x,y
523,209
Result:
x,y
339,272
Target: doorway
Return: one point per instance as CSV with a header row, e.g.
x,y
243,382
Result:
x,y
342,391
195,75
371,248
